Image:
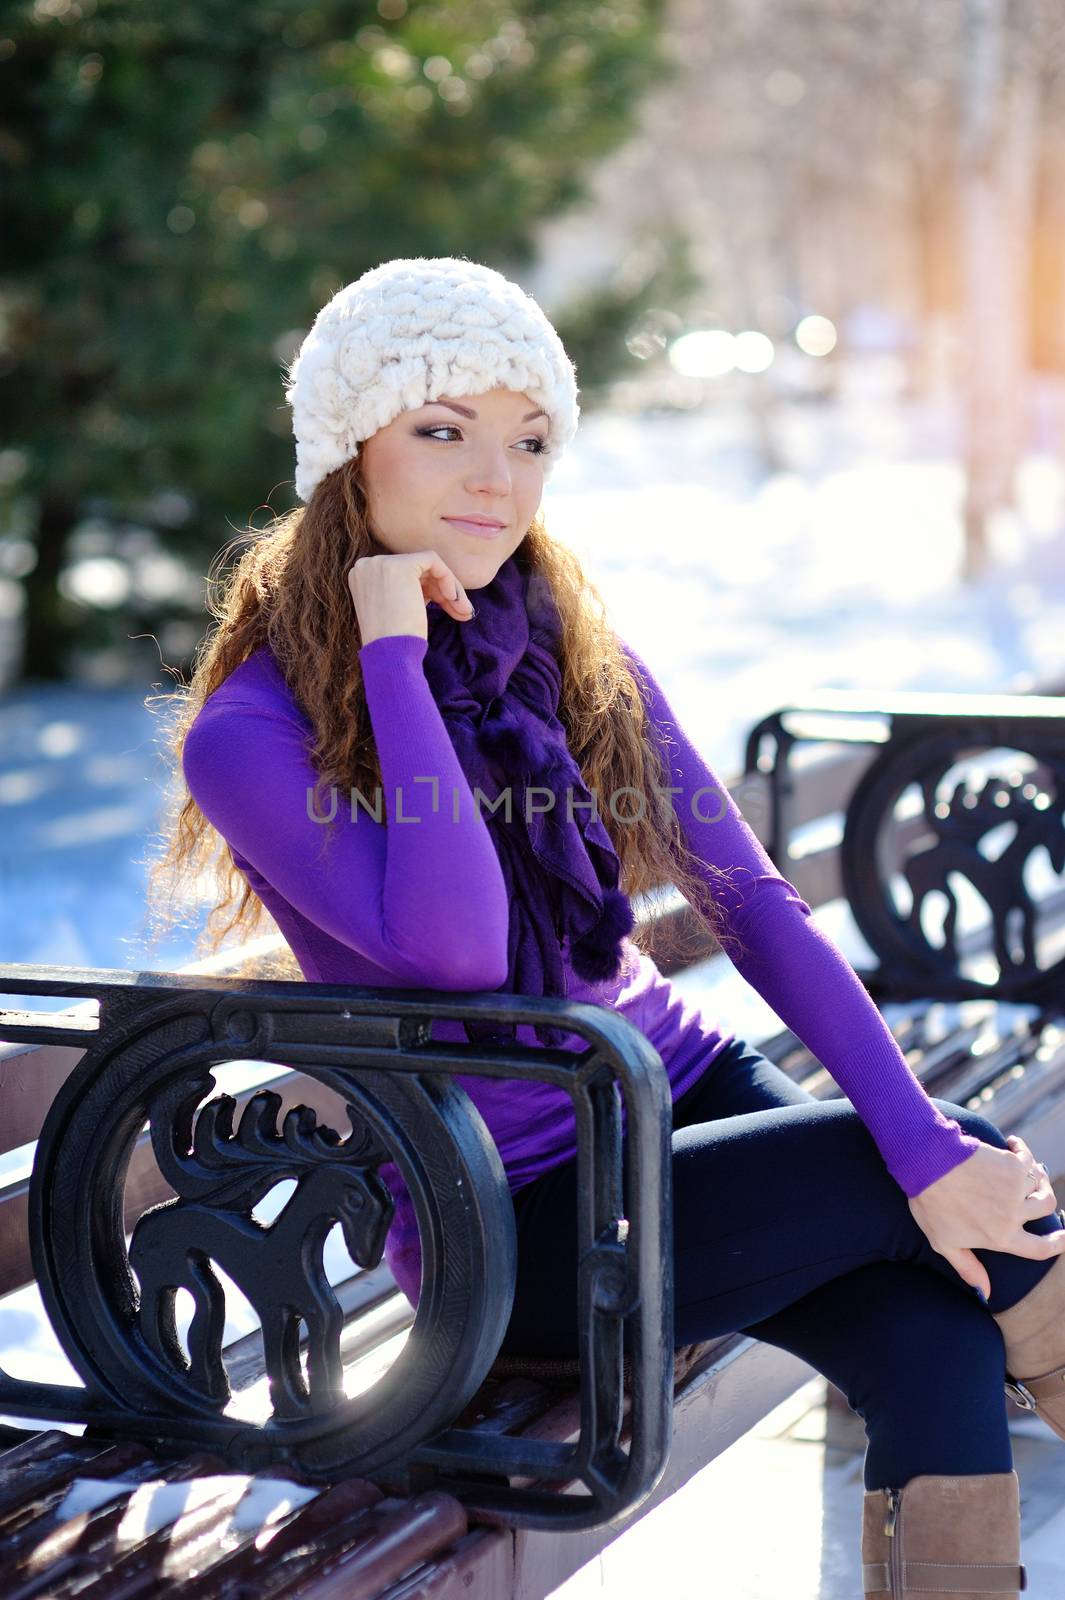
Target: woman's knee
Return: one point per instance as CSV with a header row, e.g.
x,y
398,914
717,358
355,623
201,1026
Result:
x,y
896,1323
972,1122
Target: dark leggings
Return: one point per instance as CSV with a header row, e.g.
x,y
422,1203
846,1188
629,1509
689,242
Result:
x,y
789,1227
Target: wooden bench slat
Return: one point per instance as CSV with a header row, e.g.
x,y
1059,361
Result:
x,y
479,1566
347,1538
54,1459
30,1079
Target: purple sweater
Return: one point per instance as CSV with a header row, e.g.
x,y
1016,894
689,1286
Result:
x,y
420,903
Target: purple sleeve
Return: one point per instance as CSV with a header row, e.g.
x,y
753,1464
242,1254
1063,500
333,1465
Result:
x,y
800,972
422,896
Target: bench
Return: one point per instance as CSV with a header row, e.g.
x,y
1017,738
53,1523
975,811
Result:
x,y
461,1467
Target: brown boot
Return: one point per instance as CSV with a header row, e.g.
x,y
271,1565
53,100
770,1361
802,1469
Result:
x,y
939,1535
1034,1335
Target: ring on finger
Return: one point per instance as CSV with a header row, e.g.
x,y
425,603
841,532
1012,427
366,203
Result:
x,y
1034,1175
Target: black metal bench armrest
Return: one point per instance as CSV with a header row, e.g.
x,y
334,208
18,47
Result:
x,y
917,825
149,1062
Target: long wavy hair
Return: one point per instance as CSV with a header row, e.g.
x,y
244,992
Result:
x,y
289,590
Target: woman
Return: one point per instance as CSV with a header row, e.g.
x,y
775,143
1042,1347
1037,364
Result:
x,y
411,635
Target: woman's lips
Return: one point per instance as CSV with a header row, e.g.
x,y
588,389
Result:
x,y
477,529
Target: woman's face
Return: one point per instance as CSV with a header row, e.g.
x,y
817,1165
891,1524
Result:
x,y
476,456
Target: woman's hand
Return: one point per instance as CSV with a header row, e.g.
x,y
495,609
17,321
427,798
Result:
x,y
391,593
981,1203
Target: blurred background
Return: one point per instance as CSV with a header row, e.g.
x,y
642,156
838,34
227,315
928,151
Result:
x,y
808,257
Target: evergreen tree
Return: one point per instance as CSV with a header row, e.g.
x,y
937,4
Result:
x,y
184,186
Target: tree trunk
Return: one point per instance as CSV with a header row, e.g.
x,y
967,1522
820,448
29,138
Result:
x,y
46,621
998,152
934,222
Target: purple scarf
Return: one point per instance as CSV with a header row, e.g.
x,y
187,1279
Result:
x,y
496,680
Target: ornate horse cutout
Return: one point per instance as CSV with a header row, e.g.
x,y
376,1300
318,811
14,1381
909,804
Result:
x,y
278,1267
961,823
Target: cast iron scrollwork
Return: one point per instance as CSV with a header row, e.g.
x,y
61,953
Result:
x,y
279,1267
153,1067
105,1246
948,840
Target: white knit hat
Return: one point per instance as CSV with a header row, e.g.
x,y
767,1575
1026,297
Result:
x,y
407,332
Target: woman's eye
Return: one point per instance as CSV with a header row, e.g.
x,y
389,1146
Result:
x,y
451,427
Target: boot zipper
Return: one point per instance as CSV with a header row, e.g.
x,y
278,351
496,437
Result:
x,y
890,1528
